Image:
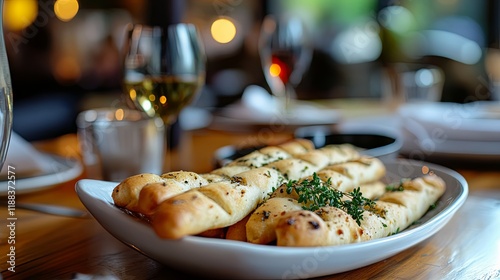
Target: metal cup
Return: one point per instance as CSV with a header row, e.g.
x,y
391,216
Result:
x,y
118,143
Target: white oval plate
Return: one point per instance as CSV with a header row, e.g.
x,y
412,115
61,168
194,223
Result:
x,y
240,260
60,170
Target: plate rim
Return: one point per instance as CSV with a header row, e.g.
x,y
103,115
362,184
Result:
x,y
71,169
404,239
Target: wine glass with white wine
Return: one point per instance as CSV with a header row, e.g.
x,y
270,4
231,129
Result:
x,y
164,69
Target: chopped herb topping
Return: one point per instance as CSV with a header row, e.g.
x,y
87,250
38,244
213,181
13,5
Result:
x,y
433,206
396,232
396,187
314,194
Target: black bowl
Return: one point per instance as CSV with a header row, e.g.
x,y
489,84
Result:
x,y
380,144
377,143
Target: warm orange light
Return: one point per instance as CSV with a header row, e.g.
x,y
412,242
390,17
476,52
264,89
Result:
x,y
67,69
19,14
119,114
425,169
133,94
275,70
163,99
66,10
223,30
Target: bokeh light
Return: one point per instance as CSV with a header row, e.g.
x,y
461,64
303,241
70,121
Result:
x,y
425,169
66,10
163,99
119,114
274,70
19,14
133,94
223,30
67,69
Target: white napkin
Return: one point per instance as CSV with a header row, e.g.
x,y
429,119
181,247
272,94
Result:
x,y
476,121
258,106
24,159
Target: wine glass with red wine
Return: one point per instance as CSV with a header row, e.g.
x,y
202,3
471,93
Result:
x,y
285,55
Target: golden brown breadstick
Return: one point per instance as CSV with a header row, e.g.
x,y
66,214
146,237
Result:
x,y
126,194
332,226
213,206
262,223
237,231
152,194
363,170
132,194
221,205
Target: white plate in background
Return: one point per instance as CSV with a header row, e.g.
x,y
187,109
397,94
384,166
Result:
x,y
451,131
57,170
239,260
476,121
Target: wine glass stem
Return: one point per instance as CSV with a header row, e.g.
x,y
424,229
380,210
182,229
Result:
x,y
287,100
168,156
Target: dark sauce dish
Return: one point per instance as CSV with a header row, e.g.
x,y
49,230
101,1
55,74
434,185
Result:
x,y
381,144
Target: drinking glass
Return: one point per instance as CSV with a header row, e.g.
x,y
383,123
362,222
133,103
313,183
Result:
x,y
285,55
118,142
5,97
164,69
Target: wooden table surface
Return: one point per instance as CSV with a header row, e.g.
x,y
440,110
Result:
x,y
53,247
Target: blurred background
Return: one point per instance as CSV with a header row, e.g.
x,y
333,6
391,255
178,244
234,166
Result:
x,y
65,55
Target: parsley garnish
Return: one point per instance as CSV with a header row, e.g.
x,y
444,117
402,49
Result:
x,y
314,194
396,232
396,187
